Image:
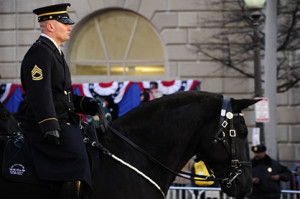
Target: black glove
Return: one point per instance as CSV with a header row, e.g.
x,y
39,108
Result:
x,y
90,106
52,137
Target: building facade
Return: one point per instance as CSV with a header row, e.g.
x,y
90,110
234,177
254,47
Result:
x,y
119,40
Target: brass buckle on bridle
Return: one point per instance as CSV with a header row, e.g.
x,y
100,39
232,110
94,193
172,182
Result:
x,y
232,133
224,124
235,164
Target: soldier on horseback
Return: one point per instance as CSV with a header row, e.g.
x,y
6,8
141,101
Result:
x,y
49,115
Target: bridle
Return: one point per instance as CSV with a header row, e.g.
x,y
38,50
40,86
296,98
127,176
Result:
x,y
226,122
226,129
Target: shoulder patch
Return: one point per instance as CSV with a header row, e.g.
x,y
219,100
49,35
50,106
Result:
x,y
36,73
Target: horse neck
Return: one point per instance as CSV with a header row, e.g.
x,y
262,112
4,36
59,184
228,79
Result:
x,y
171,136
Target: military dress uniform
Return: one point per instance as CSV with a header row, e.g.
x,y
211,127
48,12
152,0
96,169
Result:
x,y
50,105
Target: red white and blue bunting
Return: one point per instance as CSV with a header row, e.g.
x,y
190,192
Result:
x,y
115,89
169,87
6,90
126,94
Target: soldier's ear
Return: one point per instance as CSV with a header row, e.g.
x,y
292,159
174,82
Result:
x,y
50,27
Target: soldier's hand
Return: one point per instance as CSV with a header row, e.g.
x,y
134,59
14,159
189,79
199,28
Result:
x,y
52,137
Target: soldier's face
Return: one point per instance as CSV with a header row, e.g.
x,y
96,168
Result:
x,y
62,31
259,155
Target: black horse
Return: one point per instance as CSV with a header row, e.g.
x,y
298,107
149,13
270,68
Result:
x,y
142,148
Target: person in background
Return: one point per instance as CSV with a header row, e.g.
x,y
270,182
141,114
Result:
x,y
154,92
49,112
111,108
267,174
144,97
296,177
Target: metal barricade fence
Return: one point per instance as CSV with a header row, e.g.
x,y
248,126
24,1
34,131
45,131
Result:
x,y
175,192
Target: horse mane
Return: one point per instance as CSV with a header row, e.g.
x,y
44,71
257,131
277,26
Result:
x,y
147,111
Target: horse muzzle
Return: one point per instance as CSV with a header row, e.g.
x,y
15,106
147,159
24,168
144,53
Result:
x,y
234,185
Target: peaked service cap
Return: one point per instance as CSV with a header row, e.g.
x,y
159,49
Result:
x,y
58,12
259,148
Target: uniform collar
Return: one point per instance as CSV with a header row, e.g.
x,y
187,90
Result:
x,y
53,47
44,35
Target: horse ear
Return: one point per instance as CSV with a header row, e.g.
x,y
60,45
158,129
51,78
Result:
x,y
240,104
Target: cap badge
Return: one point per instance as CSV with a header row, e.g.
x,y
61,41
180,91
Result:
x,y
68,7
255,148
37,73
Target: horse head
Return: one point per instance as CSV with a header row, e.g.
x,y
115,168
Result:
x,y
228,155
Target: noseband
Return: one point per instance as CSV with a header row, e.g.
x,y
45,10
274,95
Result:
x,y
226,122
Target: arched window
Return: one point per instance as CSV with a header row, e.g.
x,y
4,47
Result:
x,y
116,42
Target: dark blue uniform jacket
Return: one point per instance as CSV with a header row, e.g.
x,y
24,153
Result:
x,y
49,105
264,169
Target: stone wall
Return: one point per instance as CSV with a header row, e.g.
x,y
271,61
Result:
x,y
180,25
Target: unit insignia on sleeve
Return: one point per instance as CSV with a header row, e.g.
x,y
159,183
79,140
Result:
x,y
37,73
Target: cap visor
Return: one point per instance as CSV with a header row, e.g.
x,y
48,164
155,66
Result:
x,y
66,21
